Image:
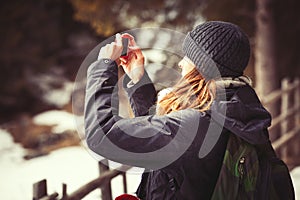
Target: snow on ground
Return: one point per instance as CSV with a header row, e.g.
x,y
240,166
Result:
x,y
295,173
61,120
59,96
73,166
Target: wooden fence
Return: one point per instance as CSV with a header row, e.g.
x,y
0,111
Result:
x,y
287,123
287,146
102,183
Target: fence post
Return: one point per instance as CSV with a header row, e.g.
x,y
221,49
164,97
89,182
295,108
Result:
x,y
297,100
286,124
106,188
40,189
297,118
124,182
64,192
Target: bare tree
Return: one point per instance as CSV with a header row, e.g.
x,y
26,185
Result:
x,y
107,17
265,54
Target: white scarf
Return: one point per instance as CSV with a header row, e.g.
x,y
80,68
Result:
x,y
226,82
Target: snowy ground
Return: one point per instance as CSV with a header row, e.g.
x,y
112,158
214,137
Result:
x,y
73,166
295,173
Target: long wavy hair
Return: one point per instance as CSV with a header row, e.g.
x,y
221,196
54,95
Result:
x,y
191,91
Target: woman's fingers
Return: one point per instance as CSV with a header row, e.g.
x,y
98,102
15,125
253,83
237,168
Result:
x,y
112,50
133,63
123,60
128,59
118,39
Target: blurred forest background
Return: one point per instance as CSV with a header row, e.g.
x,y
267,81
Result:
x,y
44,42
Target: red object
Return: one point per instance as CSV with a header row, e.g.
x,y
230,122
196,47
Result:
x,y
126,197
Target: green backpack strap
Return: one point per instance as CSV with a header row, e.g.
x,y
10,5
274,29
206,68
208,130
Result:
x,y
239,172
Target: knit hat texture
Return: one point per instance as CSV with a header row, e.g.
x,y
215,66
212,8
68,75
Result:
x,y
218,49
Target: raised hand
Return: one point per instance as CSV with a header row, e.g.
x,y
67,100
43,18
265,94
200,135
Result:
x,y
113,50
133,63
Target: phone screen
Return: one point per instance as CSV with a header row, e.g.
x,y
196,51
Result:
x,y
125,46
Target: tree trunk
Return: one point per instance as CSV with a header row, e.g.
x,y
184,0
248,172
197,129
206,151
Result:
x,y
265,56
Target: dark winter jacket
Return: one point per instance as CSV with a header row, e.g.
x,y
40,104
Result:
x,y
183,150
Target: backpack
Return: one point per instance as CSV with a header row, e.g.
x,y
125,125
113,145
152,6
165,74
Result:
x,y
249,172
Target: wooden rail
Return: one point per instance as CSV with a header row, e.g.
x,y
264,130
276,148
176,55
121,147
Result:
x,y
288,121
102,182
98,182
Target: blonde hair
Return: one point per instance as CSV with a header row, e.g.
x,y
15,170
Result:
x,y
191,91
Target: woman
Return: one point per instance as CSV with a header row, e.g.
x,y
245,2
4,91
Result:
x,y
183,145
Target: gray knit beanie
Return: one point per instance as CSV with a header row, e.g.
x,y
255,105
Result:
x,y
218,49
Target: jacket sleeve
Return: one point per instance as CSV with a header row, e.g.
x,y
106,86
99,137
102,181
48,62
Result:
x,y
142,95
141,141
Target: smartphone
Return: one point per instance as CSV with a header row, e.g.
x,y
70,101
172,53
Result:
x,y
125,47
